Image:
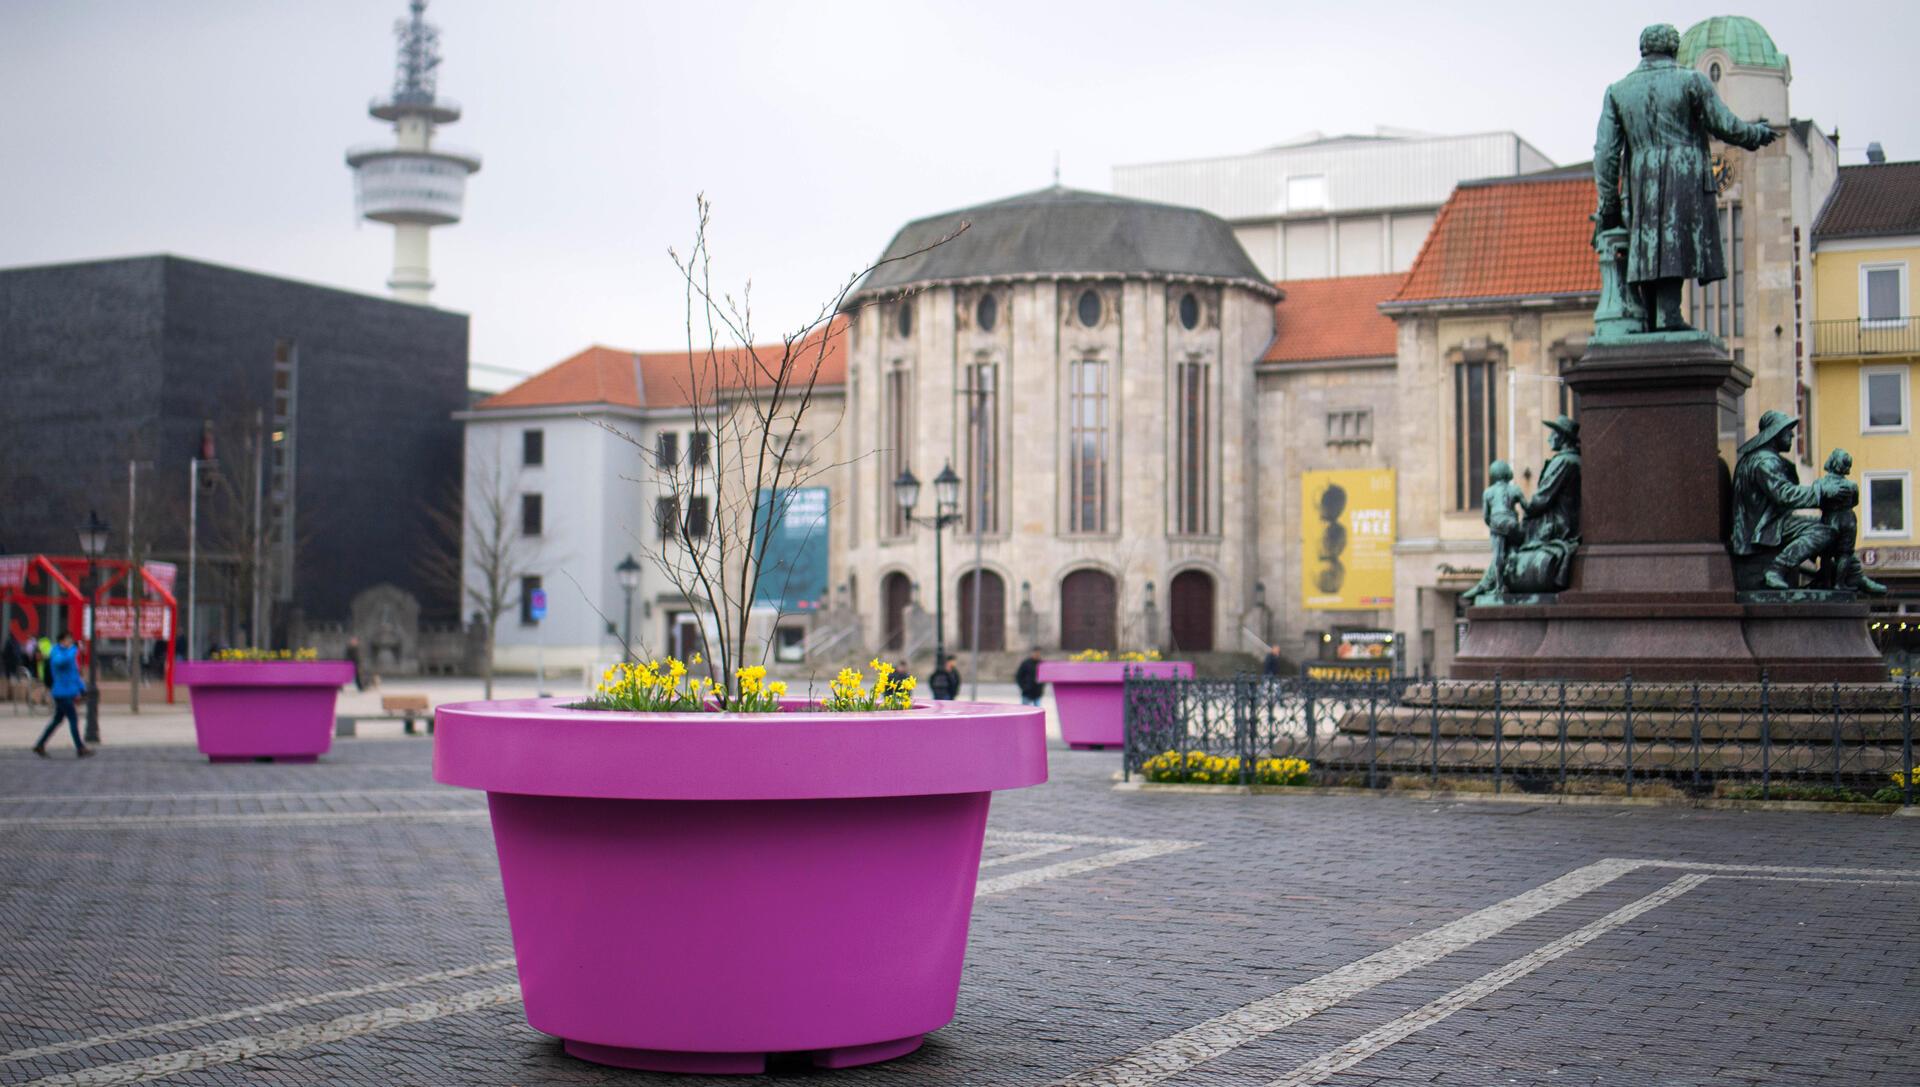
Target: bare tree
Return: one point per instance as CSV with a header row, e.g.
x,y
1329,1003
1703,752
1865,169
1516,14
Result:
x,y
481,551
751,403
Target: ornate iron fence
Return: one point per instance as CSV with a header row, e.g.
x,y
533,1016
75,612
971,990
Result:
x,y
1762,741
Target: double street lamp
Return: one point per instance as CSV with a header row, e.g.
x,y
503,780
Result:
x,y
629,574
946,511
93,544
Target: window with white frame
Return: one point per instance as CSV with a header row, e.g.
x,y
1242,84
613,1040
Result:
x,y
1883,399
1883,292
1887,496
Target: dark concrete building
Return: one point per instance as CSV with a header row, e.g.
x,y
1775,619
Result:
x,y
343,401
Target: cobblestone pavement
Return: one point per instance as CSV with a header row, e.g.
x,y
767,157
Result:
x,y
341,923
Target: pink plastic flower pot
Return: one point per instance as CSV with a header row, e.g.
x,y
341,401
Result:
x,y
1091,696
692,892
245,710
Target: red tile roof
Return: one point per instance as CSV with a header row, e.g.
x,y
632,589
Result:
x,y
665,379
1879,199
1517,237
1333,319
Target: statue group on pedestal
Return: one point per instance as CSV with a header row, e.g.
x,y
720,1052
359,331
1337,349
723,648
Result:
x,y
1769,539
1534,555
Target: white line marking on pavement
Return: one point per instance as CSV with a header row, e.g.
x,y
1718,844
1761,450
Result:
x,y
1025,855
1170,1056
1857,881
1330,1064
137,822
92,798
240,1049
1030,876
1774,869
274,1008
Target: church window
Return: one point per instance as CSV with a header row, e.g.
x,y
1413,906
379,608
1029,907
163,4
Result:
x,y
1193,424
986,312
1476,425
1189,311
983,448
903,318
896,421
1087,446
1089,308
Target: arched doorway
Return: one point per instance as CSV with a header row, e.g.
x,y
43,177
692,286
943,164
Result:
x,y
1088,615
1191,604
993,611
896,593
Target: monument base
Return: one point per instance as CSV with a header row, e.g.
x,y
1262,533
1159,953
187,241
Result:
x,y
1653,588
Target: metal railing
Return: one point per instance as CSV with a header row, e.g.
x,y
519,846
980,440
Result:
x,y
1767,741
1900,336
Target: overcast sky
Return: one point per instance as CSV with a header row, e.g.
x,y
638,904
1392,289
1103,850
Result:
x,y
215,128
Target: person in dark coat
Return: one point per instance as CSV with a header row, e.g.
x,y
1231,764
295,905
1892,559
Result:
x,y
1275,664
946,681
1027,678
63,664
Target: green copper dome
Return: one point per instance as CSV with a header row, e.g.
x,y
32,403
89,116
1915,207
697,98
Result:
x,y
1745,42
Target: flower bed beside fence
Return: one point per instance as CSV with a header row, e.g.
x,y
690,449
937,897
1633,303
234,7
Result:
x,y
1767,741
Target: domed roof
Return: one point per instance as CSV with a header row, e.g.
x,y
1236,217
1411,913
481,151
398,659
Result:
x,y
1745,42
1061,232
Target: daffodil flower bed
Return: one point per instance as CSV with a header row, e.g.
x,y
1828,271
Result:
x,y
656,687
1133,656
257,655
1200,768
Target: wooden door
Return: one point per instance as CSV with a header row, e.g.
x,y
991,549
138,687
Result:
x,y
993,611
1089,617
1191,600
896,592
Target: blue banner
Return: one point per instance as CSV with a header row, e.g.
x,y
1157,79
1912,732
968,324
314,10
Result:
x,y
794,575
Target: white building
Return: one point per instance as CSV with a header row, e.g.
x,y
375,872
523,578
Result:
x,y
1333,205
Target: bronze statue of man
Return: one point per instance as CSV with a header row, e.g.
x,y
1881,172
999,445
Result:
x,y
1766,491
1653,132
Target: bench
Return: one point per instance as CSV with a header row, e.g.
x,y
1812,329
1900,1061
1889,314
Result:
x,y
405,708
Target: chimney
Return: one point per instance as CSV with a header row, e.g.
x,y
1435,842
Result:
x,y
1876,155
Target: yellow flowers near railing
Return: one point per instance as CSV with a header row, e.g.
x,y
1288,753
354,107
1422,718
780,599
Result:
x,y
262,655
1132,656
850,694
1200,768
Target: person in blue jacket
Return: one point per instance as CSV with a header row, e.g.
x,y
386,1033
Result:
x,y
63,665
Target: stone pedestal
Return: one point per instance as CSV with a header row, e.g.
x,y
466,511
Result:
x,y
1652,590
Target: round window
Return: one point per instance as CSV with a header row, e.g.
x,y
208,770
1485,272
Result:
x,y
1189,310
903,320
1713,71
1089,308
987,312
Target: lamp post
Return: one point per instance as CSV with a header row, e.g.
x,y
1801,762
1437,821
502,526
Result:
x,y
93,544
629,574
946,511
198,470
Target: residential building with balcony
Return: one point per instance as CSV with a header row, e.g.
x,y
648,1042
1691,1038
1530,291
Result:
x,y
1866,349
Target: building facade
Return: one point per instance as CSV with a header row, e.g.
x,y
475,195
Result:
x,y
1866,349
1084,363
1333,205
343,402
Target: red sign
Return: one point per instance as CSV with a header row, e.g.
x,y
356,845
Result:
x,y
162,573
116,621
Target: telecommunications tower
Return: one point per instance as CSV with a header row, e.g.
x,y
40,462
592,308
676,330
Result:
x,y
410,183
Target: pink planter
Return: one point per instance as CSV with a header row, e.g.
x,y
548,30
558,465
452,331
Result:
x,y
691,892
1090,696
282,710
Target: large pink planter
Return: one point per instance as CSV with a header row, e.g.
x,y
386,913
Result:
x,y
1091,696
692,892
283,710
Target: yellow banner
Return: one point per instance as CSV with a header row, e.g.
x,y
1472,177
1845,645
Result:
x,y
1346,536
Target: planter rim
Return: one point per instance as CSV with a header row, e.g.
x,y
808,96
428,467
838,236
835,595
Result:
x,y
315,673
1112,671
541,747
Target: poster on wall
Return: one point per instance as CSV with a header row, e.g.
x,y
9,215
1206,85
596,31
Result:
x,y
793,576
1346,537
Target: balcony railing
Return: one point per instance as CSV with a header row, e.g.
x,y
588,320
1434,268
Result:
x,y
1900,336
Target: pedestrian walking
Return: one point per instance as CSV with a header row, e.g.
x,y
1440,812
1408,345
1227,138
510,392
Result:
x,y
1027,678
1275,664
353,654
63,665
946,681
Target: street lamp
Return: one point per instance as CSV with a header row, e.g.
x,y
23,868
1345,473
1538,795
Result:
x,y
946,501
629,574
93,544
